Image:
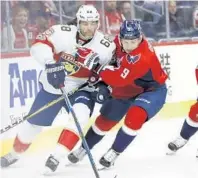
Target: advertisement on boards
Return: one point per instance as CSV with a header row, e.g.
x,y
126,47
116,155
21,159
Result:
x,y
20,85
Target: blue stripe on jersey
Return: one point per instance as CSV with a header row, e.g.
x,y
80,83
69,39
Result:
x,y
147,81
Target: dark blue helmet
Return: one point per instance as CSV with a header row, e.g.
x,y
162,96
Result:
x,y
130,29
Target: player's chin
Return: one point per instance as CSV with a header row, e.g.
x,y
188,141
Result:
x,y
89,36
128,51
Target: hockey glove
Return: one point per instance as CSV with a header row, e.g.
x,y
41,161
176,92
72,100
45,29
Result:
x,y
94,79
104,92
55,74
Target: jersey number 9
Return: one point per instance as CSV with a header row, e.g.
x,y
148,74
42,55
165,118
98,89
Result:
x,y
124,73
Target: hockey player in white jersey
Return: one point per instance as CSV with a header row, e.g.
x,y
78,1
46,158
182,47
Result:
x,y
68,54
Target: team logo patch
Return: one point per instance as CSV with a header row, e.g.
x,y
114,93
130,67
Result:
x,y
70,68
70,65
133,59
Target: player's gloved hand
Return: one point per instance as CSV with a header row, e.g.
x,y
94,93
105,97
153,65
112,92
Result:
x,y
55,74
94,79
104,92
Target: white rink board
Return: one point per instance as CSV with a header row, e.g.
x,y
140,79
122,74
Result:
x,y
19,78
182,61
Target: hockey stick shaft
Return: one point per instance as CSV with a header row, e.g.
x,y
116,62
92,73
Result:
x,y
68,103
43,108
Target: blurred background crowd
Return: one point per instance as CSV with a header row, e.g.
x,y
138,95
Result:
x,y
161,21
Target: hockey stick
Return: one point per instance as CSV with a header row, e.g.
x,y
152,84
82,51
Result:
x,y
10,126
68,103
46,106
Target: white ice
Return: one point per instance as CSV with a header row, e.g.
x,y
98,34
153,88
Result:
x,y
144,158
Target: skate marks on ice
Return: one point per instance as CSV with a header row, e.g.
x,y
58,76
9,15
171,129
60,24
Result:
x,y
145,167
145,158
33,167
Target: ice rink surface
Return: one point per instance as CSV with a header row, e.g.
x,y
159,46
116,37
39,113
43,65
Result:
x,y
145,157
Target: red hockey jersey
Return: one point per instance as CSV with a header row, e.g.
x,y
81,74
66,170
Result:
x,y
138,71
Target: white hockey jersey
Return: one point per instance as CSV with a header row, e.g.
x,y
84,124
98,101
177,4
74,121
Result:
x,y
62,40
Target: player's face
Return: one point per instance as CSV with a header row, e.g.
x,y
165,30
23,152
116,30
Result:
x,y
87,29
130,45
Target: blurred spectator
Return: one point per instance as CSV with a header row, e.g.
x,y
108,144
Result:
x,y
149,11
40,18
96,4
18,36
195,18
39,8
41,24
26,24
3,21
125,9
155,7
186,3
113,18
3,12
186,14
50,6
70,7
195,23
175,19
139,3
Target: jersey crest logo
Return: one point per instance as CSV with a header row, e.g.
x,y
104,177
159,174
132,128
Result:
x,y
133,59
71,68
70,65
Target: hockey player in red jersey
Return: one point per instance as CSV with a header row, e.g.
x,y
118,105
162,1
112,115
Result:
x,y
138,91
68,54
189,128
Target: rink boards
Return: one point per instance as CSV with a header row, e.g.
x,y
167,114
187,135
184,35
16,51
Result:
x,y
20,73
